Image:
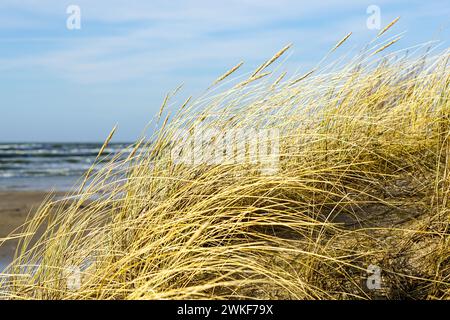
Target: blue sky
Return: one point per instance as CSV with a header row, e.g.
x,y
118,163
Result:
x,y
74,85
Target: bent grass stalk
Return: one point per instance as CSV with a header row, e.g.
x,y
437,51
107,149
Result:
x,y
362,179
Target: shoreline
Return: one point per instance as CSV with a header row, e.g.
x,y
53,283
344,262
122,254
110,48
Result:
x,y
15,206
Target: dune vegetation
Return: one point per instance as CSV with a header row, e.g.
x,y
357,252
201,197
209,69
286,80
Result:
x,y
361,180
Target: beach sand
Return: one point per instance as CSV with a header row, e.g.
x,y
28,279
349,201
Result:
x,y
15,206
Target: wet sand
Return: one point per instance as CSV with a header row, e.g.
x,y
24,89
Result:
x,y
15,206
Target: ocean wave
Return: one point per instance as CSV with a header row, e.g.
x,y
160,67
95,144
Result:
x,y
51,160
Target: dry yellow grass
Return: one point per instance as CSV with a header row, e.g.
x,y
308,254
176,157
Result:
x,y
363,178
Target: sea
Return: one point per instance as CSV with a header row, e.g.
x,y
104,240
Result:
x,y
48,166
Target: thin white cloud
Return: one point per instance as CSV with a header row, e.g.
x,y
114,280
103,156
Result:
x,y
181,35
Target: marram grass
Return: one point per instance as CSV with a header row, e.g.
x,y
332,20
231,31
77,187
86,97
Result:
x,y
363,179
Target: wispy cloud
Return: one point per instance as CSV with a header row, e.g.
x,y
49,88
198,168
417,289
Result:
x,y
154,37
167,42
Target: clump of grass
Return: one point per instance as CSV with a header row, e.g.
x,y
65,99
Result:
x,y
362,178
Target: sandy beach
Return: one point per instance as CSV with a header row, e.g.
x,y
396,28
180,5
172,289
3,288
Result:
x,y
14,209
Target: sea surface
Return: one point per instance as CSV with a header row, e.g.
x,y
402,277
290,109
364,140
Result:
x,y
46,166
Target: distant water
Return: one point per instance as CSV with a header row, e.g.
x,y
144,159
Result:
x,y
44,166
